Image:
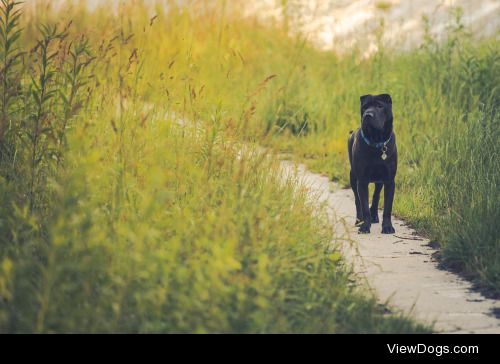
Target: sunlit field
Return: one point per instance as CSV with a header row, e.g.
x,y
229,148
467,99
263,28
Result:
x,y
136,196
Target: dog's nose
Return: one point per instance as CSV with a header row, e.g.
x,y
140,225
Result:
x,y
368,114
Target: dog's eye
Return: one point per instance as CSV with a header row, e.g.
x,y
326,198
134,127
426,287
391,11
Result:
x,y
380,106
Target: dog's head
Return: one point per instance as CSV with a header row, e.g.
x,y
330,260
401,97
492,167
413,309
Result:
x,y
376,110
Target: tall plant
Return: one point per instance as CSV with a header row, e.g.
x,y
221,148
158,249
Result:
x,y
42,121
10,57
75,78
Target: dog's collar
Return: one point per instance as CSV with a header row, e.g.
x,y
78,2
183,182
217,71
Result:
x,y
374,145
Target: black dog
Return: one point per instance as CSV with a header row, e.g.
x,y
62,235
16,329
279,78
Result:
x,y
374,158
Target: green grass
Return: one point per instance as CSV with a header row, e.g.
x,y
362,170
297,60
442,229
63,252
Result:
x,y
125,203
446,99
299,100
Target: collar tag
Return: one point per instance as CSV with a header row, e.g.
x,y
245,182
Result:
x,y
384,154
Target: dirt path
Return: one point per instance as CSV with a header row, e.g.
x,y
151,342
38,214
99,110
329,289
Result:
x,y
400,269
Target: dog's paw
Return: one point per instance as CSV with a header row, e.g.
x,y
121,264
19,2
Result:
x,y
388,229
364,229
374,218
358,222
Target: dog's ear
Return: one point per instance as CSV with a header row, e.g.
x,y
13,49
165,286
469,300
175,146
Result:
x,y
385,98
363,98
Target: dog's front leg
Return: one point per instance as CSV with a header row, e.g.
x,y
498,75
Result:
x,y
354,186
365,208
389,188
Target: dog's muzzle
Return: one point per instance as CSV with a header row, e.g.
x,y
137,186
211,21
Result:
x,y
375,122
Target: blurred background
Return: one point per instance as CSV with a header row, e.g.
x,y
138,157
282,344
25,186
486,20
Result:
x,y
342,24
338,24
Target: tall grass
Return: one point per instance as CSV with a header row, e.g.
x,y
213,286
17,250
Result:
x,y
466,196
130,206
446,119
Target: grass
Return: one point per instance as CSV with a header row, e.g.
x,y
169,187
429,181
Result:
x,y
446,121
126,204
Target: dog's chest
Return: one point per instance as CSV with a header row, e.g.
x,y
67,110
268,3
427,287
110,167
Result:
x,y
377,172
